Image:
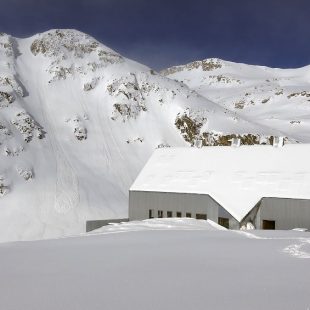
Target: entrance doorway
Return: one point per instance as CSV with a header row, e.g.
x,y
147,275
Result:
x,y
269,224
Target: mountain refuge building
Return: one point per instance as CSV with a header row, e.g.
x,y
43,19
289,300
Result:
x,y
264,186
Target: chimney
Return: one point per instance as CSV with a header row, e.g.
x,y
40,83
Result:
x,y
235,142
278,141
198,143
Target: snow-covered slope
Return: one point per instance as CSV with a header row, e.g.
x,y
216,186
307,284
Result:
x,y
277,98
77,123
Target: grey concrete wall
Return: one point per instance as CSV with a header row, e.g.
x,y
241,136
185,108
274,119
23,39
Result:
x,y
140,202
95,224
287,213
253,216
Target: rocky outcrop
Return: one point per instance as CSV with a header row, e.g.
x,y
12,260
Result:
x,y
27,126
209,64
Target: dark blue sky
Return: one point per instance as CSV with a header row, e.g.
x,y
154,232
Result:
x,y
167,32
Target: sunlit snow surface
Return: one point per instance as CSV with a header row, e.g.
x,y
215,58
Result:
x,y
177,264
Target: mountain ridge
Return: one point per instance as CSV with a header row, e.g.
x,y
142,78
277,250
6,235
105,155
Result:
x,y
78,121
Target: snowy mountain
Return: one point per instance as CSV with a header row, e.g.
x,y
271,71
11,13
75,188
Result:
x,y
277,98
78,121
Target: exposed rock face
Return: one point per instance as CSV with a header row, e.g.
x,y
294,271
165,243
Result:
x,y
10,84
59,44
27,126
91,85
6,97
26,174
302,94
6,46
129,96
206,65
3,190
190,123
276,98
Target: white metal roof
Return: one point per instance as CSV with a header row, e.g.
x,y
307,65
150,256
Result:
x,y
237,178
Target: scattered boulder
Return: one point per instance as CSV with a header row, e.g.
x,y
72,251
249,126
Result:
x,y
27,126
27,174
3,189
91,85
190,123
4,96
79,130
80,133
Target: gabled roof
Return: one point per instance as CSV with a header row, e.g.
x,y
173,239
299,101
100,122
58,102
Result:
x,y
237,178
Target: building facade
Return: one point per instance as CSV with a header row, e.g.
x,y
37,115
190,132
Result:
x,y
263,186
146,204
280,213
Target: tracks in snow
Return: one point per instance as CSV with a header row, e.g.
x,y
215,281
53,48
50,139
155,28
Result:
x,y
67,190
296,249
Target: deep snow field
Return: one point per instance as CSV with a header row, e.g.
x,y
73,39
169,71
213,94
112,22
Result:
x,y
158,264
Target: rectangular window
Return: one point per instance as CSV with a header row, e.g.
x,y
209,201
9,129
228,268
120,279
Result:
x,y
160,213
188,214
179,214
223,221
151,213
201,216
169,213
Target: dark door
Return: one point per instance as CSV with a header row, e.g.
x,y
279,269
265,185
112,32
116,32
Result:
x,y
269,224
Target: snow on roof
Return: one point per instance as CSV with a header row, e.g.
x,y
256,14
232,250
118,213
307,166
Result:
x,y
237,178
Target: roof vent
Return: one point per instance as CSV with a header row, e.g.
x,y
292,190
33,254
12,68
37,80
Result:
x,y
278,141
235,142
198,143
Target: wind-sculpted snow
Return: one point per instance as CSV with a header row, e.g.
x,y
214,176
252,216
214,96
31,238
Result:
x,y
78,122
